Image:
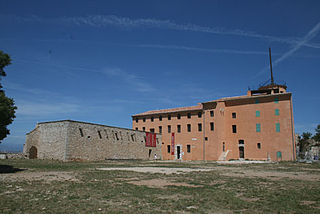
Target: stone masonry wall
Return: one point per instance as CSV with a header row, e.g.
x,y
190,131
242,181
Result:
x,y
72,140
98,142
49,139
32,139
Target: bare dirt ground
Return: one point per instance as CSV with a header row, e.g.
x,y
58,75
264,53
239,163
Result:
x,y
39,176
225,171
160,183
164,170
28,186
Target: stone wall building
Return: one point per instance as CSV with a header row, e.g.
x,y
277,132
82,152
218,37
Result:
x,y
256,126
71,140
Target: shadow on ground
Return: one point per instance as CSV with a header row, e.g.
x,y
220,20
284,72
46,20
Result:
x,y
9,169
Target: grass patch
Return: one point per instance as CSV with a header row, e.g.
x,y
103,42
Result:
x,y
77,187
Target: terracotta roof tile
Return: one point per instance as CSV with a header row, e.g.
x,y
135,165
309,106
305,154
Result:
x,y
172,110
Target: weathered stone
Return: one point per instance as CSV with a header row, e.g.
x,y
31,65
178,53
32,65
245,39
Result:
x,y
72,140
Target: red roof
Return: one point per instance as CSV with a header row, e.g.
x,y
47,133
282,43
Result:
x,y
171,110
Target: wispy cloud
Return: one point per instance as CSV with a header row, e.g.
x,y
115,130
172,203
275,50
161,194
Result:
x,y
28,90
125,22
310,35
27,108
135,81
186,48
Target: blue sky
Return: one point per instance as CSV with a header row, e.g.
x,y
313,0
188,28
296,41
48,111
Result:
x,y
103,61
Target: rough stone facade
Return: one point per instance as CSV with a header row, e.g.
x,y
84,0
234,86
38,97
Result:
x,y
72,140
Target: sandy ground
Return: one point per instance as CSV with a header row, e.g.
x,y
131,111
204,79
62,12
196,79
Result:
x,y
160,183
259,172
164,170
37,176
226,171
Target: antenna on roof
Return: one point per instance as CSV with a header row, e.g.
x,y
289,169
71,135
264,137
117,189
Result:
x,y
272,81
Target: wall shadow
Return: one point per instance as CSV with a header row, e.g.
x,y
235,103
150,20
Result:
x,y
9,169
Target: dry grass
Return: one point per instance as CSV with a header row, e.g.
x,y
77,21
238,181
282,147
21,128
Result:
x,y
34,186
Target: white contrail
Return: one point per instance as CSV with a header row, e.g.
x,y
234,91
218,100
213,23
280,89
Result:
x,y
125,22
310,35
186,48
107,20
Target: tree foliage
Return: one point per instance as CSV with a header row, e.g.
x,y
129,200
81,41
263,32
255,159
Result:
x,y
316,137
4,61
7,107
306,135
304,141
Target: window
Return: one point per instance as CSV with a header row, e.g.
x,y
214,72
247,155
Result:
x,y
143,128
105,131
81,132
257,113
257,101
178,128
189,115
277,127
169,117
144,119
234,128
206,138
212,126
189,127
211,113
168,148
199,114
136,128
276,100
169,129
152,130
259,145
160,129
188,148
234,115
199,127
137,120
178,116
160,118
152,119
223,147
99,133
258,127
277,112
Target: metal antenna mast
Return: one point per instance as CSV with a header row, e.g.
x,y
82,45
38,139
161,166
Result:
x,y
272,81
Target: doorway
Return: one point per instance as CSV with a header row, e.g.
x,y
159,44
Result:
x,y
33,152
178,152
241,152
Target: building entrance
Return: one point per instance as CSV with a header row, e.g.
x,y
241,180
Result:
x,y
178,152
241,152
33,153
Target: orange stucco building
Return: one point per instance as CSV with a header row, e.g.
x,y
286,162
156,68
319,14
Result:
x,y
257,126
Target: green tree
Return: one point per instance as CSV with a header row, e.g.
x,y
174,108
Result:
x,y
316,137
7,107
304,142
306,135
